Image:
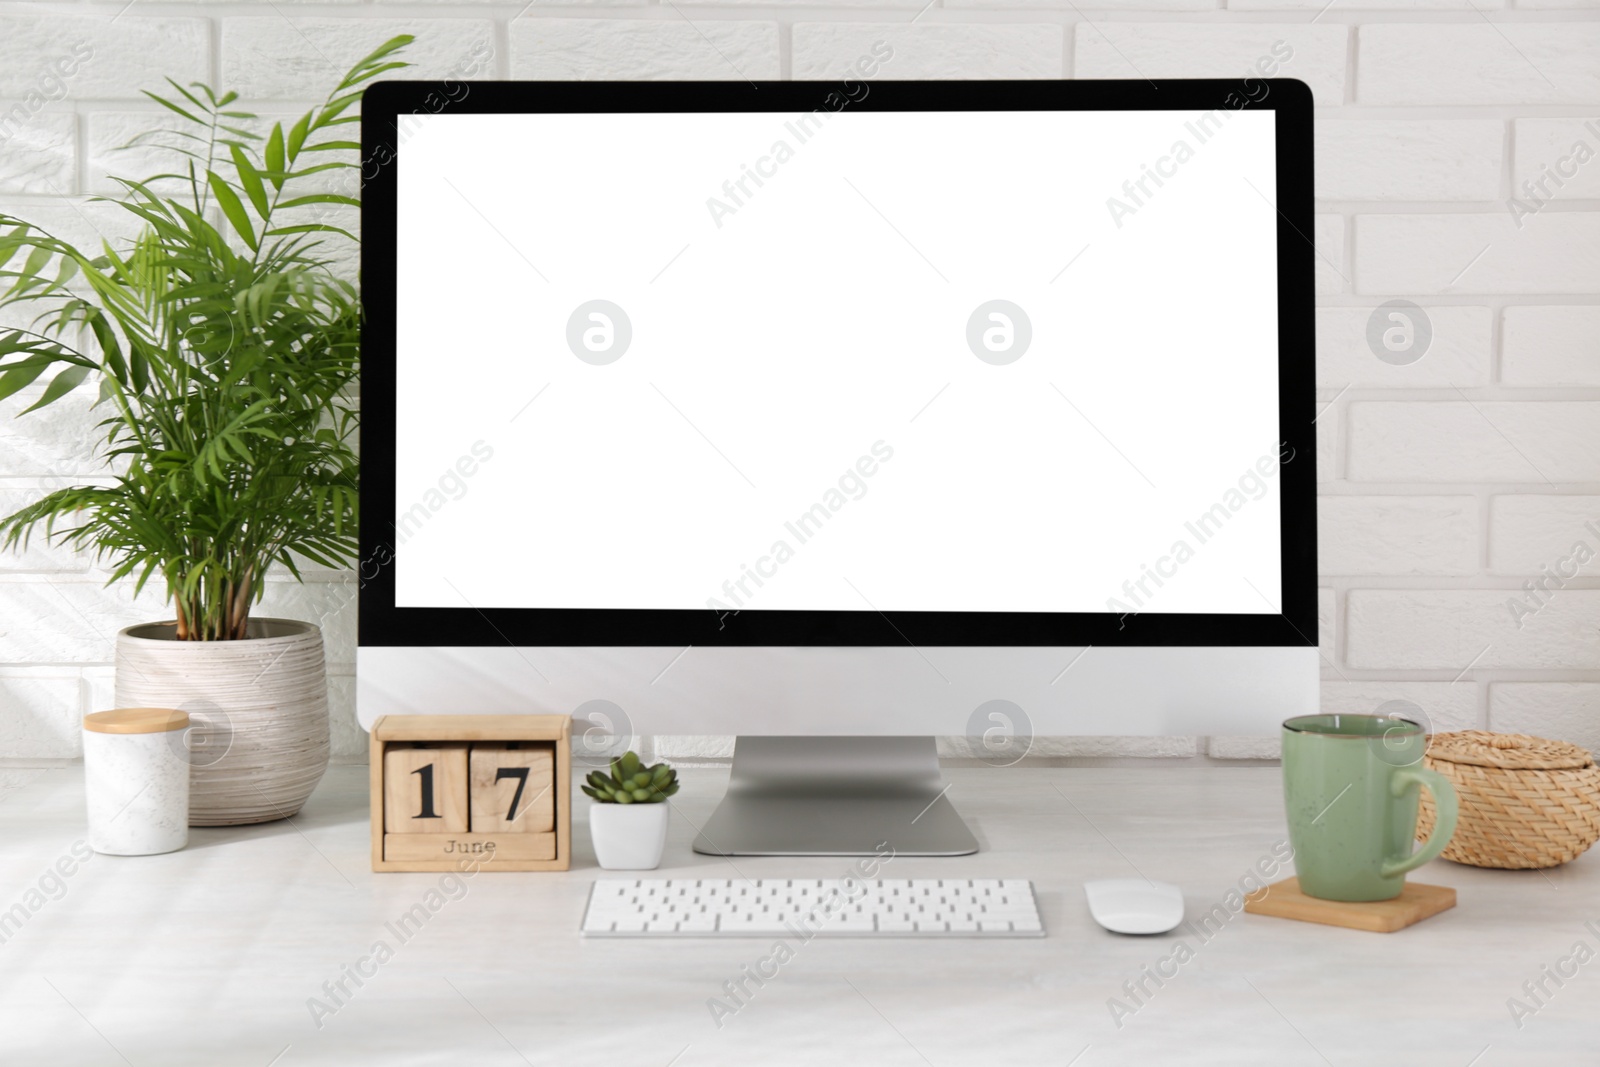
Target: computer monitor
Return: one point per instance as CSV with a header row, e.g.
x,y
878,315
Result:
x,y
840,415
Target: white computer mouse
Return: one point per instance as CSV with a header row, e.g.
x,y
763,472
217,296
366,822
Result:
x,y
1134,905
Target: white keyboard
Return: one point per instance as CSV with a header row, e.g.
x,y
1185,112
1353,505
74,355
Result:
x,y
806,907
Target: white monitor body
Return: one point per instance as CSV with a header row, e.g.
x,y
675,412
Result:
x,y
1104,691
840,411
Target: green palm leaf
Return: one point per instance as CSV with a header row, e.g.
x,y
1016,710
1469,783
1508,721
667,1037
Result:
x,y
226,375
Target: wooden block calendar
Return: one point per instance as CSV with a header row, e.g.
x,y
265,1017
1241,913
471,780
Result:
x,y
488,790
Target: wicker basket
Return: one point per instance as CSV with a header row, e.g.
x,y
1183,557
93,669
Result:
x,y
1525,802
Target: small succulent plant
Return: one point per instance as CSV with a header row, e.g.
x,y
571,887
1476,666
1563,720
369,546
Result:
x,y
631,782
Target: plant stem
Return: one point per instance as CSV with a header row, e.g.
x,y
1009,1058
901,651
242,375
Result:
x,y
239,613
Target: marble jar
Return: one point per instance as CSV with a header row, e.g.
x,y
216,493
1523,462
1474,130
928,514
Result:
x,y
136,777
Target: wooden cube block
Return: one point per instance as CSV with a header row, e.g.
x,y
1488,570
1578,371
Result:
x,y
484,850
425,788
511,788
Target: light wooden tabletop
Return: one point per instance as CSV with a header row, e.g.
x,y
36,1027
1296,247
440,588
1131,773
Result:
x,y
261,945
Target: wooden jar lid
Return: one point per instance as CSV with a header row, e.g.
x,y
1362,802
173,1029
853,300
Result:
x,y
1519,752
136,721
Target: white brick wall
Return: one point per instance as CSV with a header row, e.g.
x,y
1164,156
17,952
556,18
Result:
x,y
1454,630
96,56
1479,62
1548,709
40,156
270,57
1552,252
1332,269
1528,534
1397,535
1463,440
1551,345
628,48
1107,49
1409,159
50,700
1458,354
926,50
1447,483
1562,151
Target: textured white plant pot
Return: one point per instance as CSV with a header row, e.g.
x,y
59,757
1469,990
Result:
x,y
259,709
628,837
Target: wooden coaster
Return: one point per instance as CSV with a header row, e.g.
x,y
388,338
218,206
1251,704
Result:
x,y
1415,903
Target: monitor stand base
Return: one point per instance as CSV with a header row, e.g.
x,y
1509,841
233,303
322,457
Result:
x,y
835,796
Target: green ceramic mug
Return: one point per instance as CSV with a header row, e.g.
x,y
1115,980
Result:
x,y
1350,783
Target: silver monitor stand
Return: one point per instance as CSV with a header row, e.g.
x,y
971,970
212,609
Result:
x,y
835,796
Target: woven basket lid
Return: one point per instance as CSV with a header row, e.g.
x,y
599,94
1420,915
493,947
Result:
x,y
1481,748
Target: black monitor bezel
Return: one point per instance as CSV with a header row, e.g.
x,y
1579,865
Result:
x,y
381,623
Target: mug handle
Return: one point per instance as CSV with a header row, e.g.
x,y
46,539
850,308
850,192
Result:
x,y
1444,826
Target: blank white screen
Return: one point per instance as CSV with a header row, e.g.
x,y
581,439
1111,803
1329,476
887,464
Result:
x,y
777,345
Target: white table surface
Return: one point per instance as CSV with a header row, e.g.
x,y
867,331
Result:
x,y
209,956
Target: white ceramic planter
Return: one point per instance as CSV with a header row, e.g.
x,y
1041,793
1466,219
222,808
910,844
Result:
x,y
259,709
628,837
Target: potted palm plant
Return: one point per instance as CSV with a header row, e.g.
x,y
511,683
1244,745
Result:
x,y
225,347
